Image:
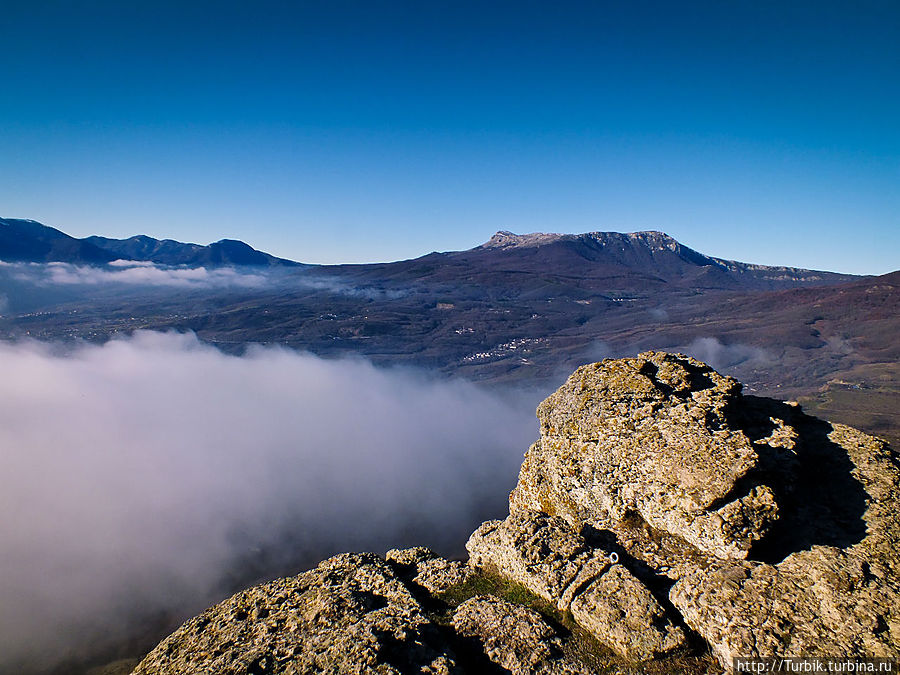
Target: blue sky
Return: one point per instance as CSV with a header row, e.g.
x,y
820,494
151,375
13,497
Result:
x,y
358,131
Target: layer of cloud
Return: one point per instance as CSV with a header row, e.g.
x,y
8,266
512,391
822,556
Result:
x,y
144,472
135,273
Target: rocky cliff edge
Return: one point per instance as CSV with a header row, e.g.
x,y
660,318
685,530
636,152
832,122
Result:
x,y
664,522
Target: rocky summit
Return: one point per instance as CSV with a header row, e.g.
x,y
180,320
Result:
x,y
664,522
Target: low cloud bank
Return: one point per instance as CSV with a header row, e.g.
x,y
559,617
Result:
x,y
142,475
138,275
726,356
135,273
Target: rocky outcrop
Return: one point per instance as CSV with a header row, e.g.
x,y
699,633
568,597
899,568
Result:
x,y
427,571
540,552
661,514
622,613
823,601
650,436
777,532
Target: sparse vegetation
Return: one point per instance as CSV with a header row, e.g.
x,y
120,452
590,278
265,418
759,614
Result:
x,y
577,642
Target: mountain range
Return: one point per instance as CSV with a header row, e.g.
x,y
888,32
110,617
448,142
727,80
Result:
x,y
596,261
518,309
30,241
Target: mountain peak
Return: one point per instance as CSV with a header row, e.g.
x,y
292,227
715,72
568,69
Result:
x,y
647,254
506,239
652,238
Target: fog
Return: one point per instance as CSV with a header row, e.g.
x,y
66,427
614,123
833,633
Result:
x,y
338,287
33,286
152,474
724,357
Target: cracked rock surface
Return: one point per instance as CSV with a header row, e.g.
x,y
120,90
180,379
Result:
x,y
553,561
515,638
543,553
351,614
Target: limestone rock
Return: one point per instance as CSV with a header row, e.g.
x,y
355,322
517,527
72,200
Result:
x,y
540,552
544,554
781,531
427,569
351,614
514,637
649,435
819,600
622,613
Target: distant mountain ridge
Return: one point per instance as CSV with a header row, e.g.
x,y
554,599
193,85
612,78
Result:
x,y
553,265
650,250
636,261
30,241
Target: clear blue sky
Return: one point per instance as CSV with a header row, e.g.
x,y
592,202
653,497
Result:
x,y
335,131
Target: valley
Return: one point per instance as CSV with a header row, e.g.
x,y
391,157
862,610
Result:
x,y
525,310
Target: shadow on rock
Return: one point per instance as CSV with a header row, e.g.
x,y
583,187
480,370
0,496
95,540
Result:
x,y
820,501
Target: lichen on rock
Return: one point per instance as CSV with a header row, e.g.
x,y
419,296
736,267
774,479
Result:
x,y
620,611
514,637
779,531
351,614
649,435
427,570
540,552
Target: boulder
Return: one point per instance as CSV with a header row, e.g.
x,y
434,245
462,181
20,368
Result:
x,y
515,638
621,612
546,556
540,552
427,570
649,436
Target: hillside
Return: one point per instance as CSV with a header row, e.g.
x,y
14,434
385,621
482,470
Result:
x,y
29,241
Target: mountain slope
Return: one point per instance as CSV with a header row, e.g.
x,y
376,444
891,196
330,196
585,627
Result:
x,y
524,308
29,241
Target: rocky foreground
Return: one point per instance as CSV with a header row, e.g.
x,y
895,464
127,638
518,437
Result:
x,y
663,523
